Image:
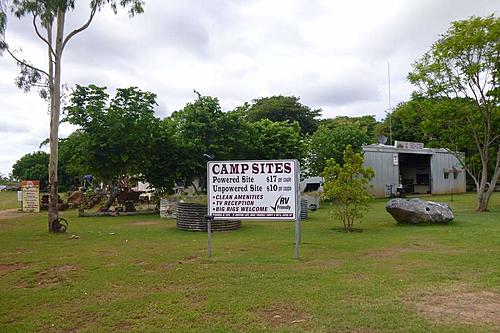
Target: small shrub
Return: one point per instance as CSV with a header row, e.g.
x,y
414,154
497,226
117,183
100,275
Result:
x,y
346,187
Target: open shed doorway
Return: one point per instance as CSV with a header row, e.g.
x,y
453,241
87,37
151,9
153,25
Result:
x,y
415,173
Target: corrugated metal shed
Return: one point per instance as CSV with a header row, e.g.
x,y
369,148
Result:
x,y
426,170
446,162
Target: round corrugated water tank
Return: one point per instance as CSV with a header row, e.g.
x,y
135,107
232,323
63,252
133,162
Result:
x,y
191,217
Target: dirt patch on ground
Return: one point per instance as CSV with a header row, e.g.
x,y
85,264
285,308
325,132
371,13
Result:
x,y
188,260
384,253
466,307
144,223
280,315
11,214
321,263
49,277
122,327
414,247
197,300
7,268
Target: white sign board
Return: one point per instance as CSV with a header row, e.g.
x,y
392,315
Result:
x,y
265,190
408,145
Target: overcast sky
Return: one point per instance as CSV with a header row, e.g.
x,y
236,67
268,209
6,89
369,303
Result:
x,y
332,54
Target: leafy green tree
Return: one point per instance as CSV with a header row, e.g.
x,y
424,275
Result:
x,y
72,161
48,18
276,140
117,137
167,162
201,128
329,143
406,119
427,120
238,135
368,123
444,127
200,131
7,180
4,179
346,186
464,63
35,166
283,108
32,166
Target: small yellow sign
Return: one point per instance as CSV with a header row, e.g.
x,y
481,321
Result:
x,y
31,195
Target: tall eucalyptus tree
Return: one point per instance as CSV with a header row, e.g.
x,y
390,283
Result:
x,y
48,18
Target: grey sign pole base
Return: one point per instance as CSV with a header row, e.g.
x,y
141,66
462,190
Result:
x,y
297,236
209,219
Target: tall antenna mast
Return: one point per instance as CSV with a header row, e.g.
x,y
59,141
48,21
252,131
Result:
x,y
389,111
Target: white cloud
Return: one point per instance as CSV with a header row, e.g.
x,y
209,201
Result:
x,y
332,54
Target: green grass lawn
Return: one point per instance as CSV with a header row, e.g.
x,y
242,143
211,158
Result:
x,y
141,274
8,199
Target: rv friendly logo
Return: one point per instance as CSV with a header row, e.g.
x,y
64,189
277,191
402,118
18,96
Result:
x,y
281,203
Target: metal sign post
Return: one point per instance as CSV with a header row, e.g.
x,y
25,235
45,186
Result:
x,y
298,212
297,237
254,190
209,231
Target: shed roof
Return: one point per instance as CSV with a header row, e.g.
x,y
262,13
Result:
x,y
392,149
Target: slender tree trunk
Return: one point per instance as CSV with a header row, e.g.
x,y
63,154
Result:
x,y
483,201
51,216
483,198
54,122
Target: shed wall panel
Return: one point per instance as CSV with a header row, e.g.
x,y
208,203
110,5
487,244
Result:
x,y
385,172
440,185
